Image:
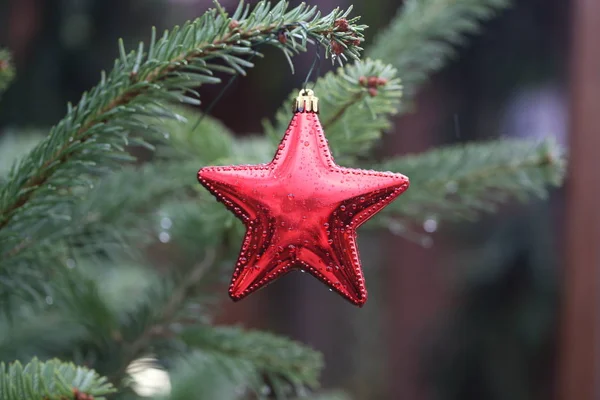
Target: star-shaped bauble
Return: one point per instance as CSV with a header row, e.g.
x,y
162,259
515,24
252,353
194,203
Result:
x,y
301,210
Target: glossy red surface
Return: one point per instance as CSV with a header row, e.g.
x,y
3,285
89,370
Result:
x,y
301,212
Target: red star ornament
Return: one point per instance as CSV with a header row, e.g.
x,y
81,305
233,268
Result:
x,y
301,210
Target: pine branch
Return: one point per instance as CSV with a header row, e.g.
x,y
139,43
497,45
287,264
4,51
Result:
x,y
458,182
418,42
422,37
116,217
51,380
127,217
202,377
112,220
171,310
106,218
261,358
7,71
355,104
116,332
91,138
88,321
37,333
208,140
141,317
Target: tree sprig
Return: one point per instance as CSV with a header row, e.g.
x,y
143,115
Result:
x,y
460,181
91,139
418,41
287,367
355,106
52,380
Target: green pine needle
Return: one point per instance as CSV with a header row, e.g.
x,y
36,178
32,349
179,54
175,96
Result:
x,y
460,181
51,380
354,113
261,358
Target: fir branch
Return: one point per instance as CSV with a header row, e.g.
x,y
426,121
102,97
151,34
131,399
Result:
x,y
418,42
127,217
112,220
283,364
51,380
202,377
91,138
343,108
35,333
209,141
171,310
107,216
422,37
165,324
7,71
121,326
458,182
355,104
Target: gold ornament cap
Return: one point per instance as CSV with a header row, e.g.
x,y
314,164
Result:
x,y
306,102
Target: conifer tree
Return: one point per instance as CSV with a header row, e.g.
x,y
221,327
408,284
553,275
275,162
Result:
x,y
83,309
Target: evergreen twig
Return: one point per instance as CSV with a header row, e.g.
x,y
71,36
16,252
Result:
x,y
92,136
51,380
418,42
355,106
169,312
99,222
342,110
458,182
285,365
163,322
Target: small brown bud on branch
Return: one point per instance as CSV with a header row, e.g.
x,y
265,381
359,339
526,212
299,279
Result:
x,y
341,25
336,48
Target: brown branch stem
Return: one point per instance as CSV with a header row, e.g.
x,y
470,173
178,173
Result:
x,y
334,118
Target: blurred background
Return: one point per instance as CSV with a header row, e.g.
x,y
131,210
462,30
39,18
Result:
x,y
469,311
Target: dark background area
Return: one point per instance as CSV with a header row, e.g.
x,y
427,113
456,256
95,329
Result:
x,y
469,313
